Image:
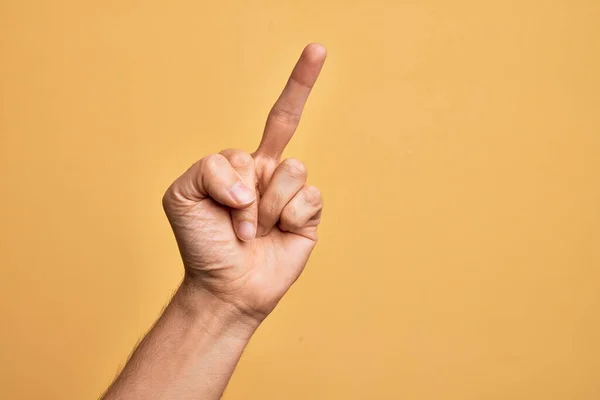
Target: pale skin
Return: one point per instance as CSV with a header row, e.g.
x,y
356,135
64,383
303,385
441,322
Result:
x,y
246,225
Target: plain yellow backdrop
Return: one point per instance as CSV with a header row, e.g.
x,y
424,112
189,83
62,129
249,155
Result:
x,y
457,145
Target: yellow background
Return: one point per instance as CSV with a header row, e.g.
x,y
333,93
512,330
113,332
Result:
x,y
457,144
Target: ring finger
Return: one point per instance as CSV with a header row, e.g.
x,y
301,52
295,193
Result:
x,y
289,177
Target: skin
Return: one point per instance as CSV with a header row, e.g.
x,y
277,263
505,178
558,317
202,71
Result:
x,y
245,225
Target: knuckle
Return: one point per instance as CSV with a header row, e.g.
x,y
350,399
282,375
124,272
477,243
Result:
x,y
212,162
240,159
313,196
172,199
284,116
294,168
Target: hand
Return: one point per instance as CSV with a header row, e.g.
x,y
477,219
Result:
x,y
245,223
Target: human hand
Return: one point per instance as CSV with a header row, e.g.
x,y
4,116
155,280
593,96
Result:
x,y
246,223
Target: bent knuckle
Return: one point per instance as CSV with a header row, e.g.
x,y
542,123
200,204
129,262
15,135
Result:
x,y
172,199
313,196
295,168
240,159
212,162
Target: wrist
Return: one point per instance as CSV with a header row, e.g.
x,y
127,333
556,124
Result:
x,y
216,316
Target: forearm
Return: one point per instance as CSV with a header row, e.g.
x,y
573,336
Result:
x,y
190,353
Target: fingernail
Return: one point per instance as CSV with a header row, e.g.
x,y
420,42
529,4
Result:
x,y
246,231
242,194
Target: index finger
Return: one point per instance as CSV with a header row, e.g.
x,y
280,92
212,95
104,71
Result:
x,y
285,114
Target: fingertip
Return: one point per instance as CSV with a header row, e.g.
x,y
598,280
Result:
x,y
315,52
246,231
